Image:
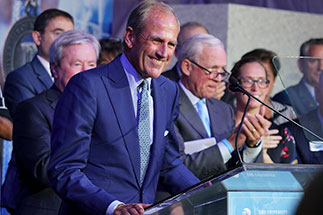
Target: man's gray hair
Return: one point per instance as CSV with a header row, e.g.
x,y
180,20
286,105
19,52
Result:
x,y
138,16
71,38
192,47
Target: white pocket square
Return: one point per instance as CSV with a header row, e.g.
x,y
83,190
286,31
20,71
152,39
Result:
x,y
166,132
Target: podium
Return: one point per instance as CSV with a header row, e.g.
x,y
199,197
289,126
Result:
x,y
249,189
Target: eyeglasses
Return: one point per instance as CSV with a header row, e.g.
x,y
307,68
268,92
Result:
x,y
248,82
213,74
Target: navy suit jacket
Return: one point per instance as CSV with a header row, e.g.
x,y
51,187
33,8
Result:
x,y
304,154
298,97
25,82
172,74
189,127
95,148
26,188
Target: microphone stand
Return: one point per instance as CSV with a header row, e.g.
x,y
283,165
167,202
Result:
x,y
235,86
239,129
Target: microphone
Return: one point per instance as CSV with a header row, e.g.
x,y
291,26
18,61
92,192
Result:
x,y
236,87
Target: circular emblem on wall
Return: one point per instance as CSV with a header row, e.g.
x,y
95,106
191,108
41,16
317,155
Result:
x,y
19,47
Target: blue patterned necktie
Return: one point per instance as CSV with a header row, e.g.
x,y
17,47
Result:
x,y
144,129
202,111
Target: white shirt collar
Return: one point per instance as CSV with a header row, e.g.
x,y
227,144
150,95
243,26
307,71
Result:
x,y
194,99
309,88
134,80
46,65
133,76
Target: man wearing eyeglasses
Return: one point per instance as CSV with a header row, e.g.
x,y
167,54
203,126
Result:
x,y
205,127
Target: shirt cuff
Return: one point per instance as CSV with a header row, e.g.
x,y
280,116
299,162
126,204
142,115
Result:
x,y
226,155
113,206
250,154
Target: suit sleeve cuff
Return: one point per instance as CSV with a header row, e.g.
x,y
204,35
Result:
x,y
226,155
112,206
251,153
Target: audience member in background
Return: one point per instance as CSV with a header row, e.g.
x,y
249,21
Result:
x,y
26,189
302,96
266,57
202,118
187,30
110,48
35,77
113,137
251,74
313,121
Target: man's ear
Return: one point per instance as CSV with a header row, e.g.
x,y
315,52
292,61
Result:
x,y
129,37
300,64
186,67
36,37
54,70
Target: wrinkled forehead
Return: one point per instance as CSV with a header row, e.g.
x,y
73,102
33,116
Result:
x,y
161,17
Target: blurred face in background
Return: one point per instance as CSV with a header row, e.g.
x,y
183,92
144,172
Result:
x,y
55,27
252,76
311,68
187,33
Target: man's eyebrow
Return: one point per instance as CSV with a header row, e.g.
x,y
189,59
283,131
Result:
x,y
58,29
161,39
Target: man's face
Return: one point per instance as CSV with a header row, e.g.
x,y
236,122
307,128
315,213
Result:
x,y
55,27
199,82
319,93
312,68
76,58
152,50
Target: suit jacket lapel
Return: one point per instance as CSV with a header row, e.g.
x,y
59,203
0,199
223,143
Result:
x,y
118,91
190,114
53,95
159,125
311,122
41,73
214,115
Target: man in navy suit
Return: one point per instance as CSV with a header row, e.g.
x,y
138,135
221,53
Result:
x,y
301,96
34,77
313,121
202,60
26,189
96,153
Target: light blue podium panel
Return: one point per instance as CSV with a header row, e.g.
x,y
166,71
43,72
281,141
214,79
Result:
x,y
249,189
